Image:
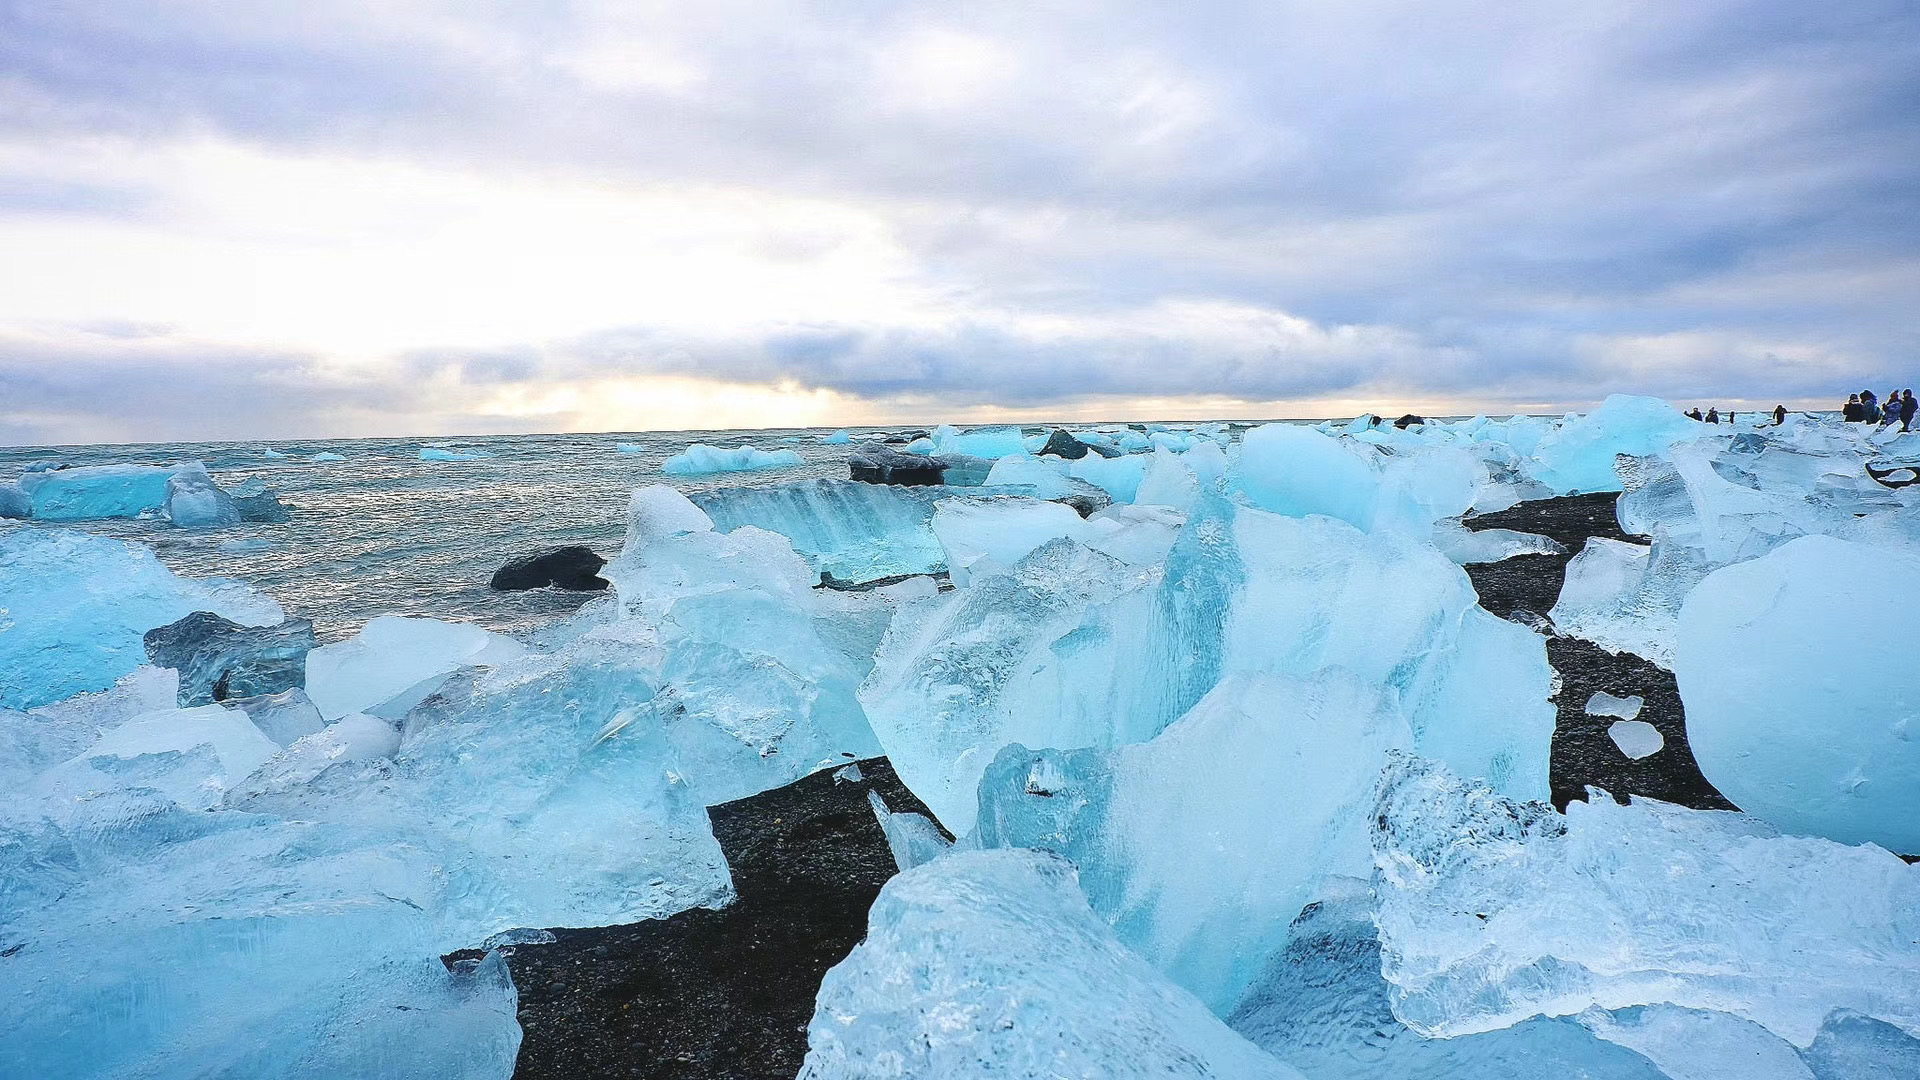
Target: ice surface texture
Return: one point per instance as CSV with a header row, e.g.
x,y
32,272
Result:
x,y
991,963
1802,705
1578,454
1322,1007
73,608
1492,911
219,659
854,531
394,656
1201,845
701,458
1073,648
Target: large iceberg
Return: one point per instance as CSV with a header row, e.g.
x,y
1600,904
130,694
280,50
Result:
x,y
990,963
91,492
74,607
1202,845
1800,703
700,458
1492,911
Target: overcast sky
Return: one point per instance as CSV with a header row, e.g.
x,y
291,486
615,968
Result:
x,y
309,218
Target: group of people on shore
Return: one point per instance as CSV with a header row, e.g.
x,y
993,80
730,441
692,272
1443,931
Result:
x,y
1865,408
1713,415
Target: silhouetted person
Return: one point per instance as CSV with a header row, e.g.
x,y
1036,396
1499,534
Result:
x,y
1694,413
1779,415
1713,414
1854,412
1907,406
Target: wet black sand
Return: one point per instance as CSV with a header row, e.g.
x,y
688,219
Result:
x,y
726,995
1524,589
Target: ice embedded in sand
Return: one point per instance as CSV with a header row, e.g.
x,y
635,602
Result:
x,y
992,960
1800,703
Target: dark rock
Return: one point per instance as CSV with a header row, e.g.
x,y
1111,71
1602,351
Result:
x,y
573,567
1410,420
722,994
218,659
258,502
885,465
1062,445
1086,504
1522,589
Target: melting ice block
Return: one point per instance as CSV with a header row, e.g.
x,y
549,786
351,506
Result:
x,y
1201,845
1492,911
1578,455
993,534
755,673
1025,656
219,659
1322,1007
990,442
1801,707
991,960
854,531
194,501
91,492
395,657
1072,648
1605,704
700,458
75,607
444,453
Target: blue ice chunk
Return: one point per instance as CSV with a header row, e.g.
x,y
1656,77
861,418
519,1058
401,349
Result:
x,y
991,960
854,531
93,492
73,608
1186,843
194,501
700,459
1578,455
838,438
445,453
1322,1007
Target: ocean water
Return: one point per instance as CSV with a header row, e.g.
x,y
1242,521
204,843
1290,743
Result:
x,y
383,532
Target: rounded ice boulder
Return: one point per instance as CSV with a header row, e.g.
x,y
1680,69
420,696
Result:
x,y
1797,676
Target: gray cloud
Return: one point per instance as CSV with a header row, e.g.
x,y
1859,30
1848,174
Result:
x,y
1504,197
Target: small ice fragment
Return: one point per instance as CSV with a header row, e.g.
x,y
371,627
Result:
x,y
1605,704
838,438
1636,738
440,453
327,455
700,458
849,775
629,448
913,838
520,936
246,546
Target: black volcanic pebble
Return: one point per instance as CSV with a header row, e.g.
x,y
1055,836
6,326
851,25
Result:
x,y
718,995
1061,444
1410,420
574,567
885,465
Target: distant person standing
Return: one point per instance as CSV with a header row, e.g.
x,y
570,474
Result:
x,y
1891,414
1854,412
1694,413
1869,408
1713,414
1779,415
1907,406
